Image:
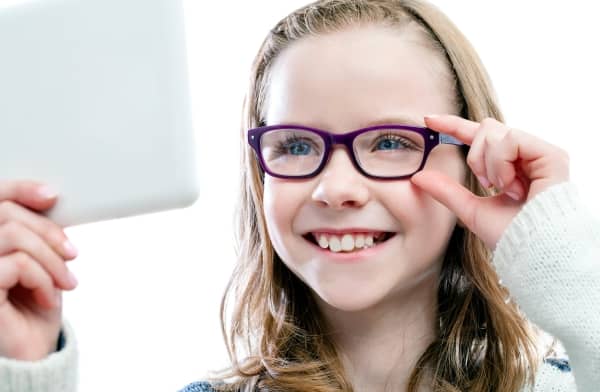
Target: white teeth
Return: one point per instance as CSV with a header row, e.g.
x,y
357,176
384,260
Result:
x,y
359,241
323,242
347,243
334,244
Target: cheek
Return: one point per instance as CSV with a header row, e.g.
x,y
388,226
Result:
x,y
426,224
274,208
281,201
416,211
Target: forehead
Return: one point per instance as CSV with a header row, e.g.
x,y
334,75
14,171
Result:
x,y
350,78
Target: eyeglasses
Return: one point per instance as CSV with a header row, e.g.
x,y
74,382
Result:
x,y
381,152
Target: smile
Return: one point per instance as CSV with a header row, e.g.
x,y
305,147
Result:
x,y
347,242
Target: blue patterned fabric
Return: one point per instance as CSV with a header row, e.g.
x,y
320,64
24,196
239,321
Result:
x,y
199,386
561,364
60,344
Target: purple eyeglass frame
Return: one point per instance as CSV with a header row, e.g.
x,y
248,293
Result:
x,y
432,139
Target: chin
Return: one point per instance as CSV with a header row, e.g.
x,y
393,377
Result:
x,y
349,299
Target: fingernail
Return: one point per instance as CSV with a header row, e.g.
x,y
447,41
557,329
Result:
x,y
47,192
484,181
513,195
73,279
70,249
432,116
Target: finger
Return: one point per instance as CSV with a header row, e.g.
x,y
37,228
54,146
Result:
x,y
45,228
501,154
462,129
516,190
20,268
28,193
526,146
450,193
476,161
16,237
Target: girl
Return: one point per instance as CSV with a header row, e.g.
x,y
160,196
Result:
x,y
381,248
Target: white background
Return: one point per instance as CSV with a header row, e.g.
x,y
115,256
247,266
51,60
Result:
x,y
146,310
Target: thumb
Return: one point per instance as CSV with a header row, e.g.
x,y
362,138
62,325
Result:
x,y
447,191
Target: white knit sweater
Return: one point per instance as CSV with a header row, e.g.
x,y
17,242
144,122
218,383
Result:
x,y
549,258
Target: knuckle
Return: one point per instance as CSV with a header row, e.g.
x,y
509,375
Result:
x,y
6,207
40,248
489,141
488,121
21,259
495,138
474,163
12,230
470,160
51,231
510,135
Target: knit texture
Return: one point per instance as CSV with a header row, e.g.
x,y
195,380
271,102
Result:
x,y
57,372
549,259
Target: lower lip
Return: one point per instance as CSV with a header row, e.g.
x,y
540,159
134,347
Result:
x,y
354,256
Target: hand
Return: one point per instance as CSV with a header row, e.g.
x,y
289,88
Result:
x,y
516,163
33,251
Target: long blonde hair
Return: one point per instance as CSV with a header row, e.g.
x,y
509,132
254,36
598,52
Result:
x,y
277,338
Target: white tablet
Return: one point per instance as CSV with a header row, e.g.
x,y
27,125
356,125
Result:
x,y
94,101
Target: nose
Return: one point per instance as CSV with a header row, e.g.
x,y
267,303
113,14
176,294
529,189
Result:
x,y
340,185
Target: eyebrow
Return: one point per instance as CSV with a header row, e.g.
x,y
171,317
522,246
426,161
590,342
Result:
x,y
396,119
399,119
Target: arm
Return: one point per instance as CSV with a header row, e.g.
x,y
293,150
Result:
x,y
55,373
549,258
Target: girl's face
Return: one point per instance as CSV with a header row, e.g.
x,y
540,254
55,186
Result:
x,y
341,82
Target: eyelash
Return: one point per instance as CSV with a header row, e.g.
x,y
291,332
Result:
x,y
402,140
282,147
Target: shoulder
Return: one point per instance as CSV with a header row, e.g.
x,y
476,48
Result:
x,y
555,374
555,354
198,386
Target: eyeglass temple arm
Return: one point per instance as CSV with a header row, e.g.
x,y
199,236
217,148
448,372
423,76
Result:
x,y
447,139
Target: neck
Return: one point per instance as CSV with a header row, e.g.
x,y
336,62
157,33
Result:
x,y
380,346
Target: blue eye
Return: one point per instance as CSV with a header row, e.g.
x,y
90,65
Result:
x,y
388,144
393,142
299,148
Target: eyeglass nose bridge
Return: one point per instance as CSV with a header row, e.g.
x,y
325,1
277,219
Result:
x,y
345,141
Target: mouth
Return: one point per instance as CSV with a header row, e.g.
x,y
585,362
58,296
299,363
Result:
x,y
348,242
